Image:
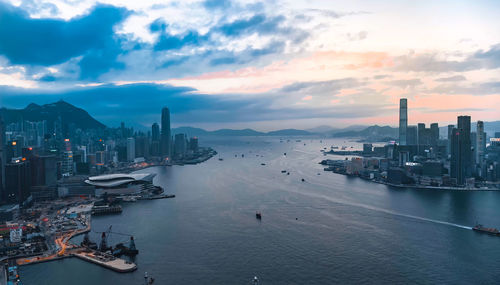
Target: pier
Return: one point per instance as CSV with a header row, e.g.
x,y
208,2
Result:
x,y
106,260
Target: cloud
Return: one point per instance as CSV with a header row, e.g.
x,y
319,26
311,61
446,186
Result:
x,y
404,83
433,62
216,4
451,78
260,23
114,103
46,42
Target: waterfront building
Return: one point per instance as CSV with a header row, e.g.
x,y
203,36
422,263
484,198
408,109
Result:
x,y
120,184
464,123
481,147
130,149
403,121
165,144
411,135
193,144
473,142
180,145
142,146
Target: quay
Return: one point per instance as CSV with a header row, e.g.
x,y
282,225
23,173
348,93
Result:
x,y
103,210
106,260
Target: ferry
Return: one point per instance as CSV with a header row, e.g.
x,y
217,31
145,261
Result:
x,y
258,215
490,231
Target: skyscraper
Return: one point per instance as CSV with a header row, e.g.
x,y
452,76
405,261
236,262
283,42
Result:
x,y
155,132
456,161
465,151
403,120
450,132
411,135
165,132
480,144
130,149
434,134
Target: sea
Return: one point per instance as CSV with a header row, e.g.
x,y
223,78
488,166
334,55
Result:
x,y
327,229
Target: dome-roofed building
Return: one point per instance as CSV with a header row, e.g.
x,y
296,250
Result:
x,y
121,184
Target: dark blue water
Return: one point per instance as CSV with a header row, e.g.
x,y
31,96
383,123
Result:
x,y
328,229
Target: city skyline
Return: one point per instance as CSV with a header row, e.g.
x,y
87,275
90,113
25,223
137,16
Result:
x,y
263,65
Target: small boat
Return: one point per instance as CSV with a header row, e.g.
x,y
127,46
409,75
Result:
x,y
221,159
303,180
284,153
262,164
258,215
283,171
288,173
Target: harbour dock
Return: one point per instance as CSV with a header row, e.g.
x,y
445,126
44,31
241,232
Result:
x,y
106,260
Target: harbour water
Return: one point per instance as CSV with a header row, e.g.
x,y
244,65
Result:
x,y
327,229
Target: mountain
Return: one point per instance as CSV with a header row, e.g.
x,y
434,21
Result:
x,y
190,131
373,133
322,129
289,132
68,113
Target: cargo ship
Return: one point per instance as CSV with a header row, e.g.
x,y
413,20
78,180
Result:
x,y
490,231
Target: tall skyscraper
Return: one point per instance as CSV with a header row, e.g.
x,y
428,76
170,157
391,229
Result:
x,y
480,145
456,161
155,132
165,132
403,121
463,123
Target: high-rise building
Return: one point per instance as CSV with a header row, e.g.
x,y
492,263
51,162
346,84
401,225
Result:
x,y
155,132
180,145
193,144
411,135
130,149
450,132
142,146
463,123
165,143
67,163
456,161
43,170
480,145
17,182
434,139
403,121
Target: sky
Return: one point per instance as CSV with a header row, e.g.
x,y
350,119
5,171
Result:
x,y
248,64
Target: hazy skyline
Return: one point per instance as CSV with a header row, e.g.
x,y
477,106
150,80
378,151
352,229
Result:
x,y
266,65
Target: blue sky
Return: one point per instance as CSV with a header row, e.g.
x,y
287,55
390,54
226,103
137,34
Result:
x,y
265,65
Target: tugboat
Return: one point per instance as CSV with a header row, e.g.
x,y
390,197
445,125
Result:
x,y
258,215
148,280
490,231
